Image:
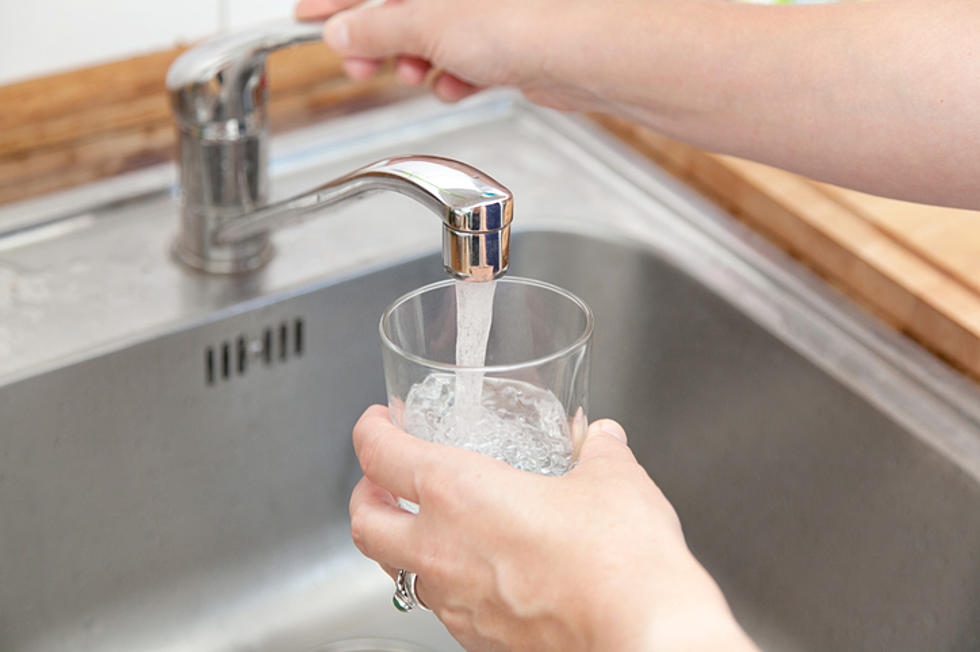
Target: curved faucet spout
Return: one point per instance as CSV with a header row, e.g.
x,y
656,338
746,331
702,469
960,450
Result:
x,y
476,210
218,91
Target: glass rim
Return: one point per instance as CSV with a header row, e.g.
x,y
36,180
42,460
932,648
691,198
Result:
x,y
579,342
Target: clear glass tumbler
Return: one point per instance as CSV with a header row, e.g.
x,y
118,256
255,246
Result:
x,y
525,403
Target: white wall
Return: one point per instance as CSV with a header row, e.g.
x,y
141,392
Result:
x,y
40,37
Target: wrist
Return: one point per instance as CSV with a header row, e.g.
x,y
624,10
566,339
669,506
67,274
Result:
x,y
680,610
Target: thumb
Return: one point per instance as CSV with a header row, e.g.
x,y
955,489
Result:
x,y
606,439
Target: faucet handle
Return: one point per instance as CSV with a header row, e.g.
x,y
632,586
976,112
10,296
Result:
x,y
218,93
220,83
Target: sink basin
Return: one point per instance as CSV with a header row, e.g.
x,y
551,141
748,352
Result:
x,y
175,454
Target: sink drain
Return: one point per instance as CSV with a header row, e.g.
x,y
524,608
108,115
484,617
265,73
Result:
x,y
373,645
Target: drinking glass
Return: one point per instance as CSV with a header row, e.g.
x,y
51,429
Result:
x,y
526,404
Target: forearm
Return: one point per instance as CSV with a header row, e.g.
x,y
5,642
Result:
x,y
692,614
882,96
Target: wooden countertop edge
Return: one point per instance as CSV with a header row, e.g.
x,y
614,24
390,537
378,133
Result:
x,y
959,231
904,262
71,128
838,242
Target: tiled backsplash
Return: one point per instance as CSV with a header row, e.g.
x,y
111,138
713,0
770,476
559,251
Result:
x,y
49,36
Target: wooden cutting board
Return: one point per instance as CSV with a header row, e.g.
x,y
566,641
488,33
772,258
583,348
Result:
x,y
916,266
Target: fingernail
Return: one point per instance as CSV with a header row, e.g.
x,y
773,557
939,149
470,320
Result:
x,y
336,33
613,429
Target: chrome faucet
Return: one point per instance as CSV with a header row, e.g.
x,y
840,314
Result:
x,y
218,92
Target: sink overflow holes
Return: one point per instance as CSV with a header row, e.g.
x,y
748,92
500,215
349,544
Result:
x,y
232,357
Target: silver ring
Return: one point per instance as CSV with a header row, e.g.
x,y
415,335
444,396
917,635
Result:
x,y
405,597
402,599
412,579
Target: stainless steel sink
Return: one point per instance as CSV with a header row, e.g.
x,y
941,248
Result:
x,y
174,449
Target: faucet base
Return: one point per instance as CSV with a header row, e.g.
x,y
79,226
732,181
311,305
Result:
x,y
238,259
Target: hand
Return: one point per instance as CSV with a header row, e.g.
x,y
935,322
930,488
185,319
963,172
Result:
x,y
726,76
472,44
509,560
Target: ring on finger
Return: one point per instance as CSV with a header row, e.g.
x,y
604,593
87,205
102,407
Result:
x,y
405,597
410,581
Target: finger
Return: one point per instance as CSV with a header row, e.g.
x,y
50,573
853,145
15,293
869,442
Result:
x,y
450,88
375,32
390,570
390,456
411,70
605,440
358,69
610,428
393,574
380,529
313,9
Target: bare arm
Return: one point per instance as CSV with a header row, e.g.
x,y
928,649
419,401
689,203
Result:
x,y
881,96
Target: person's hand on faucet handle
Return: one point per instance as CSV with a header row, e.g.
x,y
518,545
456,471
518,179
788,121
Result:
x,y
459,47
821,90
510,560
